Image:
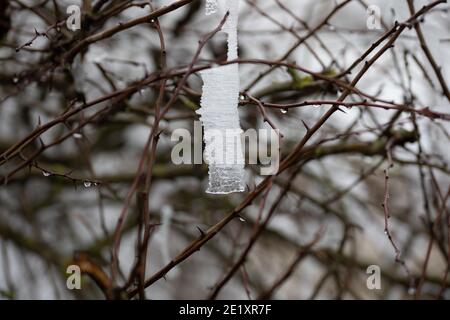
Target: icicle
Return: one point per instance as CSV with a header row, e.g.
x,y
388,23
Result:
x,y
220,117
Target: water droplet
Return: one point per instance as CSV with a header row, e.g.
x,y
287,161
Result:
x,y
283,111
316,105
15,79
152,21
385,232
241,219
87,184
46,174
77,135
411,291
242,97
331,27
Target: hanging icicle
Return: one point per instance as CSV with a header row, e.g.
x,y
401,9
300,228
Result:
x,y
219,112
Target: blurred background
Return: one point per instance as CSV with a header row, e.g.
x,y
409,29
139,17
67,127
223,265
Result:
x,y
65,180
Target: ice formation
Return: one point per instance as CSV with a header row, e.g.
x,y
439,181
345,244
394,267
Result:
x,y
219,112
211,7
